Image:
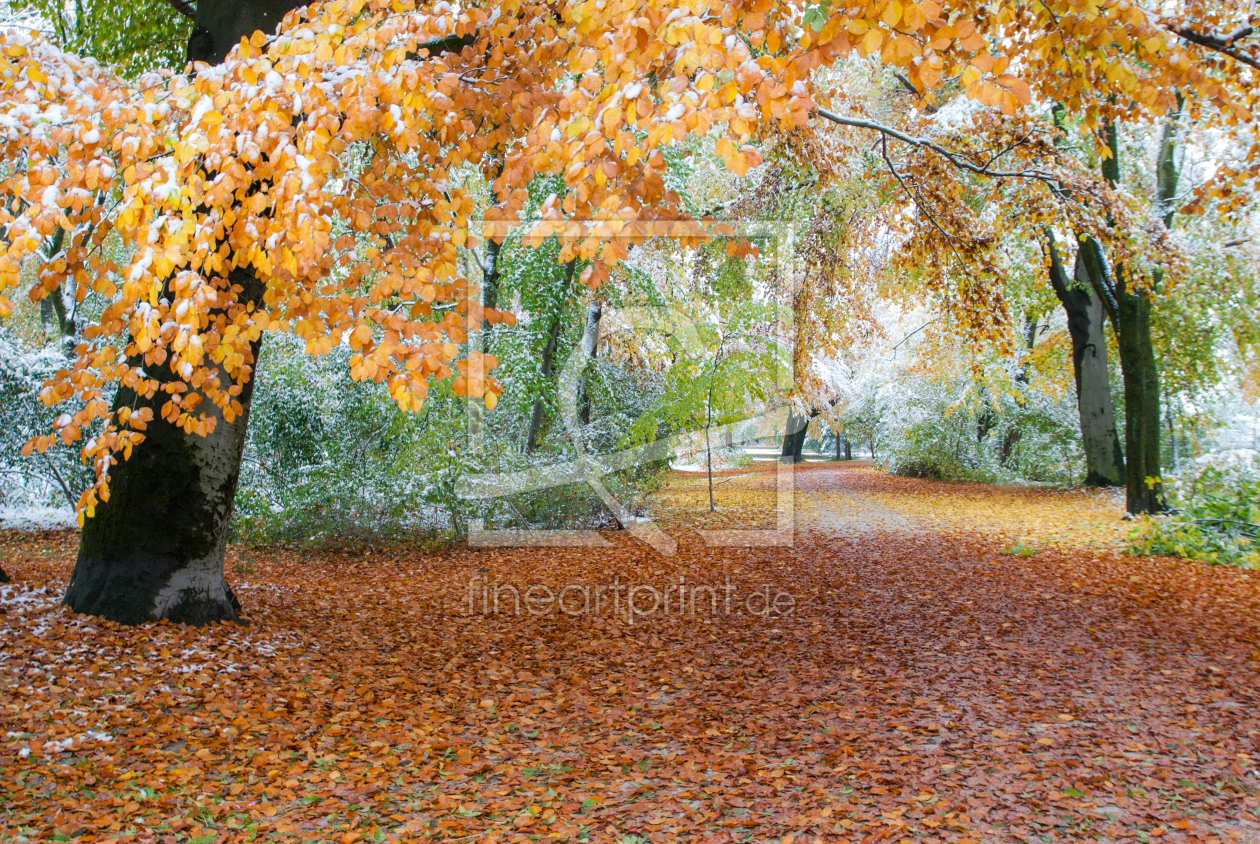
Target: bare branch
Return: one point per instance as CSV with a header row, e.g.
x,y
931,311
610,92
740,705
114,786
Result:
x,y
883,149
184,8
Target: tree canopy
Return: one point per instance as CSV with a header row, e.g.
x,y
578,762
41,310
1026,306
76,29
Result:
x,y
309,183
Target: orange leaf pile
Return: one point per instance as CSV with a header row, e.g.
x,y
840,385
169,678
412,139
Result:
x,y
924,688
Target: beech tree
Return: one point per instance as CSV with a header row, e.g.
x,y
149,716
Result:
x,y
1104,457
306,179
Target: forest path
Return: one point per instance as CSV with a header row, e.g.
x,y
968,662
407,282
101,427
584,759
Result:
x,y
826,502
915,683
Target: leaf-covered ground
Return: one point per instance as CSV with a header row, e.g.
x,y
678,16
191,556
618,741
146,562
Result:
x,y
926,686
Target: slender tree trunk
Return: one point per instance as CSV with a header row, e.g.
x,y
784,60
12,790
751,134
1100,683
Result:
x,y
52,308
708,447
1172,433
490,286
1012,437
548,360
155,549
1104,459
590,348
838,438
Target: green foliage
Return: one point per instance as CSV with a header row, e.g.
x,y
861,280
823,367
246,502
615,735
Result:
x,y
961,429
618,397
331,460
721,371
1216,513
134,37
816,16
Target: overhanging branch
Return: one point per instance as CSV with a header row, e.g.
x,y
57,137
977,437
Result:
x,y
949,155
449,44
1223,44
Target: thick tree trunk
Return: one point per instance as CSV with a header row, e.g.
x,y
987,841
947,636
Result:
x,y
1141,401
221,24
1130,314
1104,459
548,360
155,549
794,437
848,449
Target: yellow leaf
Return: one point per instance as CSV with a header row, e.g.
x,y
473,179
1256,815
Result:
x,y
874,38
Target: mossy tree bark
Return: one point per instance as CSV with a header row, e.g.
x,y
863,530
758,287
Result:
x,y
1130,312
1104,458
1145,490
155,549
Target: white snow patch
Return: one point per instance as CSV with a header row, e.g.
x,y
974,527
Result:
x,y
36,518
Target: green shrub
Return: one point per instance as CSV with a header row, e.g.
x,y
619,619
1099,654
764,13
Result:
x,y
958,429
1215,513
333,461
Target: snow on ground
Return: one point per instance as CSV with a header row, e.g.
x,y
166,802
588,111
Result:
x,y
36,518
